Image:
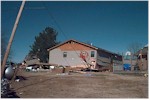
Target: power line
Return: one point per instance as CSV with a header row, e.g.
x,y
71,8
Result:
x,y
50,14
55,23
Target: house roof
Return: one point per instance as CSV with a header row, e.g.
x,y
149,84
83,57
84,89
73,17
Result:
x,y
144,51
91,46
109,52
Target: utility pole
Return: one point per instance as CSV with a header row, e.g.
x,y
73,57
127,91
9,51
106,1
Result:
x,y
11,38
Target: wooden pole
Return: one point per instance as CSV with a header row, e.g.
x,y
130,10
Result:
x,y
11,38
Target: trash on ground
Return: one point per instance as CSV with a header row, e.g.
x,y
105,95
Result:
x,y
62,74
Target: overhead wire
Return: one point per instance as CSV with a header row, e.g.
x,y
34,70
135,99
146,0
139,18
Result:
x,y
55,23
51,15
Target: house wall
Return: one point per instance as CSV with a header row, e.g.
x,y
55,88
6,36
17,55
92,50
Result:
x,y
73,58
142,58
143,64
108,61
103,60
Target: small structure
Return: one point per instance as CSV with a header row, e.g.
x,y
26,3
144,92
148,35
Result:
x,y
77,54
35,64
31,62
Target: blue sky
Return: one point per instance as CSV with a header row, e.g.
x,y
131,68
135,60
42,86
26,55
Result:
x,y
110,25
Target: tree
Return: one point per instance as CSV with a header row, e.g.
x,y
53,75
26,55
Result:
x,y
45,40
134,47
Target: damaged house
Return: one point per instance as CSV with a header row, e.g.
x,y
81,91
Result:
x,y
142,58
73,53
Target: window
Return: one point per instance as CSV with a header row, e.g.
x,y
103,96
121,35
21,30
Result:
x,y
65,54
92,53
104,55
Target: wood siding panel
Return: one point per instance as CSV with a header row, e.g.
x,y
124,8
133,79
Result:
x,y
73,58
74,46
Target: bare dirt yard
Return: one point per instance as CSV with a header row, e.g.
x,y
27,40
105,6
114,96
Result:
x,y
80,85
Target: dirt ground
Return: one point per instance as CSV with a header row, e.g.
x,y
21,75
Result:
x,y
80,85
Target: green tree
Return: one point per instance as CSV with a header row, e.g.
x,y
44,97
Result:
x,y
45,40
